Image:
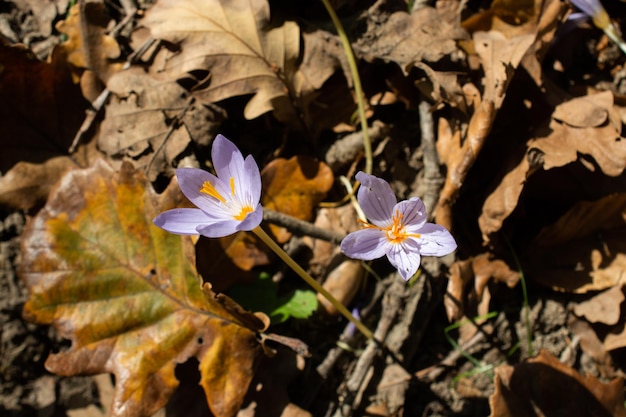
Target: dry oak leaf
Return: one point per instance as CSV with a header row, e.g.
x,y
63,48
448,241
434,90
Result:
x,y
151,121
564,144
295,186
542,386
233,40
407,38
127,295
585,250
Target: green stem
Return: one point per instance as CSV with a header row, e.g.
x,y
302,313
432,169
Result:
x,y
358,89
260,233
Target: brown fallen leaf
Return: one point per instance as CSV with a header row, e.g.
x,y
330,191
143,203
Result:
x,y
294,186
152,121
603,307
480,270
127,295
542,386
343,282
407,38
585,249
499,59
500,55
591,110
90,51
235,43
566,144
27,185
563,144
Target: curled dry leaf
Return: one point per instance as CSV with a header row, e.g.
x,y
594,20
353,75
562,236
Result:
x,y
544,386
499,59
585,249
234,42
89,50
294,186
127,295
563,145
481,269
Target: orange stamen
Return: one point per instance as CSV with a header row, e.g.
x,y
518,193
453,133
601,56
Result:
x,y
243,213
209,189
232,185
395,232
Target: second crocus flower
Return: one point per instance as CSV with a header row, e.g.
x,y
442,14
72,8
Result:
x,y
397,230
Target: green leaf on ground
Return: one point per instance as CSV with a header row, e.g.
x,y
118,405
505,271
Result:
x,y
263,296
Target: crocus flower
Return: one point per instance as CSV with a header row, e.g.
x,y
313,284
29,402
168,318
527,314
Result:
x,y
227,203
398,230
600,18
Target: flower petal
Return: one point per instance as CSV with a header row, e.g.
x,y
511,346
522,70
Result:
x,y
190,181
376,199
228,162
252,220
413,214
251,194
590,7
220,229
405,257
184,221
435,240
365,244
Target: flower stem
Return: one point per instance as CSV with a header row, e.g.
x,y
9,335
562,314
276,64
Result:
x,y
260,233
358,89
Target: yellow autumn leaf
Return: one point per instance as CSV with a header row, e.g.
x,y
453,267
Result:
x,y
127,295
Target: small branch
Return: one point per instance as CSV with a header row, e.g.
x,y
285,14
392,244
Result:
x,y
300,227
433,179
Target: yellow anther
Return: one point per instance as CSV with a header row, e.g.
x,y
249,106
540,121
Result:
x,y
395,232
209,189
232,185
243,213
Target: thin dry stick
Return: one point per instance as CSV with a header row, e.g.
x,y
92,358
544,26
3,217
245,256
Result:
x,y
175,125
392,301
300,227
432,174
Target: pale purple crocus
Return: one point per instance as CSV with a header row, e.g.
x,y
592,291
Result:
x,y
398,230
600,18
227,203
